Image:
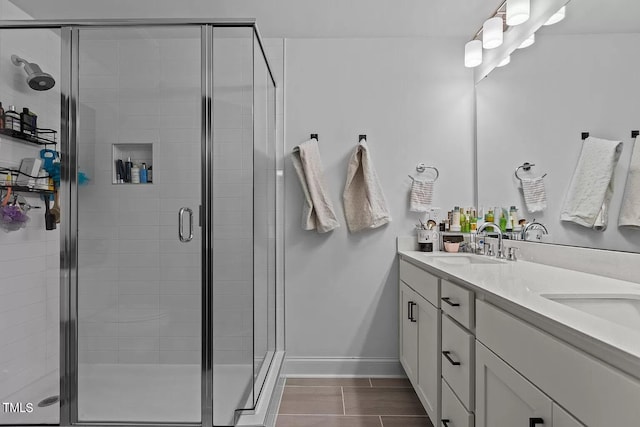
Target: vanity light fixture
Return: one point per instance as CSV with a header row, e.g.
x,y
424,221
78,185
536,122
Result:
x,y
557,17
492,34
505,61
473,53
528,42
518,12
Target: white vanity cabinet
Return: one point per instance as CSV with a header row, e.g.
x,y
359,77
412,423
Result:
x,y
420,334
506,398
408,332
499,369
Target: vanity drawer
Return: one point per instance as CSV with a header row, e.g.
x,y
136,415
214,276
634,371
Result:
x,y
453,413
457,361
427,285
458,303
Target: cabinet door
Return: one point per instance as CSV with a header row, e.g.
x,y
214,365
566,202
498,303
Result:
x,y
428,387
562,418
409,332
504,398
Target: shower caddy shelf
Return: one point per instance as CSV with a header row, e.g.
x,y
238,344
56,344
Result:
x,y
50,138
25,189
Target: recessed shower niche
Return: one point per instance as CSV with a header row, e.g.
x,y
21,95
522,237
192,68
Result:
x,y
132,164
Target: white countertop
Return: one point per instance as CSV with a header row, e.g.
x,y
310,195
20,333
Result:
x,y
518,288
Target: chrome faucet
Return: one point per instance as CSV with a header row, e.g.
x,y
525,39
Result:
x,y
500,254
533,225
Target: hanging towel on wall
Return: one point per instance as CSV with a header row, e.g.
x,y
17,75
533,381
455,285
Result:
x,y
317,211
421,195
535,195
591,188
630,210
364,202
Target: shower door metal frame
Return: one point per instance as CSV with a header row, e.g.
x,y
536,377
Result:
x,y
69,126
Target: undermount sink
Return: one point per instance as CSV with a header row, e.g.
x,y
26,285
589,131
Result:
x,y
623,309
466,260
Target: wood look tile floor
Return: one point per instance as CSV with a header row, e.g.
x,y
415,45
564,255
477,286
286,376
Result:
x,y
350,402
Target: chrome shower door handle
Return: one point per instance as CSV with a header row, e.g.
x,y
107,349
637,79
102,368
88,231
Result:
x,y
181,225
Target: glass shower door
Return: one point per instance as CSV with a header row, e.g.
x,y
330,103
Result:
x,y
139,276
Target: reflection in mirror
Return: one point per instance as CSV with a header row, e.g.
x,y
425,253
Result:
x,y
581,75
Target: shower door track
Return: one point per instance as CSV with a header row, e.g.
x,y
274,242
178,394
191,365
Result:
x,y
68,197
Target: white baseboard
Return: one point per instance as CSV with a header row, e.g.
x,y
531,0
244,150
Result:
x,y
342,367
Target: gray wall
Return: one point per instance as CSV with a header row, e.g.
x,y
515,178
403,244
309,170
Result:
x,y
414,100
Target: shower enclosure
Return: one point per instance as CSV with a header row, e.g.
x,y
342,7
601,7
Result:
x,y
168,266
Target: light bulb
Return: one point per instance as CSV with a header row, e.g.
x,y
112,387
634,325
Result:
x,y
492,33
473,54
557,17
517,11
505,61
528,42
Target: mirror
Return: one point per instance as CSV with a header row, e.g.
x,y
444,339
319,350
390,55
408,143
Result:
x,y
581,75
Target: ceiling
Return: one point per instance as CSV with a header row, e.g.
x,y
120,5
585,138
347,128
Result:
x,y
294,18
599,16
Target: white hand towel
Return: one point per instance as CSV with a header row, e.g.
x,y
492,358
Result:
x,y
535,195
421,195
364,202
317,211
630,210
591,188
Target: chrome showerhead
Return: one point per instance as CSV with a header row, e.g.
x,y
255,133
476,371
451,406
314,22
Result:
x,y
36,78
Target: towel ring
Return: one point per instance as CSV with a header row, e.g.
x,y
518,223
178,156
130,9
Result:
x,y
526,166
420,168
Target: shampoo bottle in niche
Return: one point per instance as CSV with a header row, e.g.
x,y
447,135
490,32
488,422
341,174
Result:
x,y
143,173
150,174
1,116
128,165
135,174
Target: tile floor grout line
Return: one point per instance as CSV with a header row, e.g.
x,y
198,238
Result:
x,y
381,423
370,382
344,407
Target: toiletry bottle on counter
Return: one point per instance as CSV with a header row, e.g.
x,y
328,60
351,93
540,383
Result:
x,y
135,174
143,173
489,216
503,220
513,217
455,221
480,218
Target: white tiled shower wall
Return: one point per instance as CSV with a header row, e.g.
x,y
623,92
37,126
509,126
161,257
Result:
x,y
139,287
29,269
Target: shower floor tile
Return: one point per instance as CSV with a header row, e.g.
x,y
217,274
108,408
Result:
x,y
350,402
